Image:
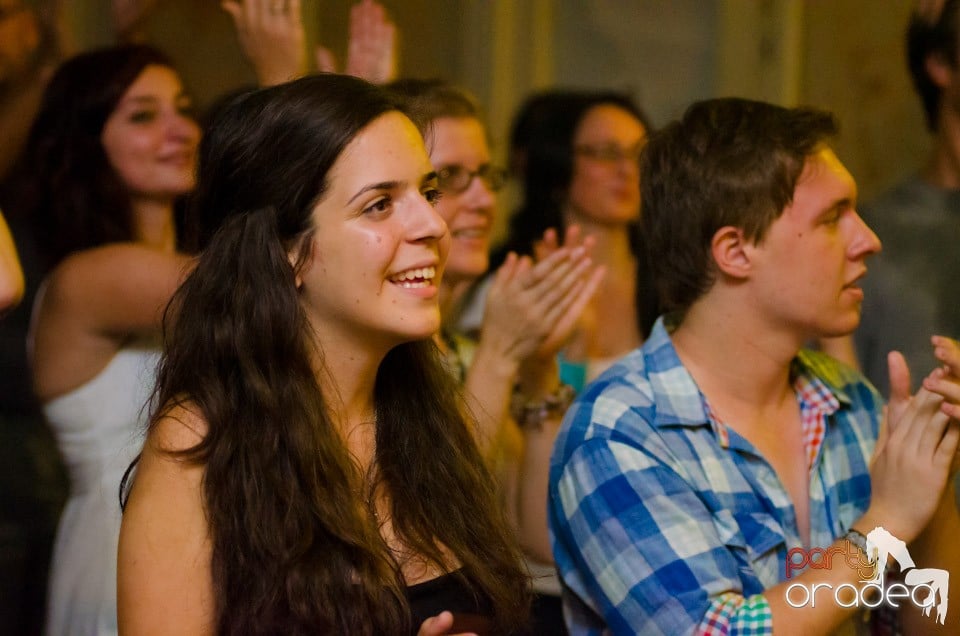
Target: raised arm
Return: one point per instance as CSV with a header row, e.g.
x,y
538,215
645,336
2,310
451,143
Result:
x,y
93,302
527,316
531,311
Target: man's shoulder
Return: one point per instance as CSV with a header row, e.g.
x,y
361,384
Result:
x,y
627,385
631,401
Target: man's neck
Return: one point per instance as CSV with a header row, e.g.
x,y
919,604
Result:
x,y
741,366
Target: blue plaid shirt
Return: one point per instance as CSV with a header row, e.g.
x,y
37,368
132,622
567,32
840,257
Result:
x,y
664,521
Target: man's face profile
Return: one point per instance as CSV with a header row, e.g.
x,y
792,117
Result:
x,y
809,263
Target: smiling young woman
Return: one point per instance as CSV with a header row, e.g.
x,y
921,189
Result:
x,y
306,466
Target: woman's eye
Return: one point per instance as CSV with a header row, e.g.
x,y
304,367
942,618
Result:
x,y
433,196
142,116
378,206
187,110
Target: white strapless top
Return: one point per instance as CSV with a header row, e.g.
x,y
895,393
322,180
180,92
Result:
x,y
99,428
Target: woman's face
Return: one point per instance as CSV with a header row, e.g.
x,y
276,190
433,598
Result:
x,y
378,245
151,139
605,187
459,145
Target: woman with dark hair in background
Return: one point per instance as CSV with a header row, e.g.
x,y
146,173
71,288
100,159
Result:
x,y
308,468
577,155
111,150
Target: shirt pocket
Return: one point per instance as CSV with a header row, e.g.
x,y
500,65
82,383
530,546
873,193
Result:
x,y
755,540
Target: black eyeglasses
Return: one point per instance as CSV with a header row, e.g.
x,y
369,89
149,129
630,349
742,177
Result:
x,y
610,153
456,179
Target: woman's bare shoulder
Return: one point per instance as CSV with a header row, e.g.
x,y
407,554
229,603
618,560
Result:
x,y
177,427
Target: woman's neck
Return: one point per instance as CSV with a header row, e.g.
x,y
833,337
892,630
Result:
x,y
153,223
347,374
609,326
613,249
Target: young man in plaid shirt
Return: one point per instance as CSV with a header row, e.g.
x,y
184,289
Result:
x,y
684,475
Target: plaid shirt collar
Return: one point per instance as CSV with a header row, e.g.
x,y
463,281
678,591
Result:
x,y
818,393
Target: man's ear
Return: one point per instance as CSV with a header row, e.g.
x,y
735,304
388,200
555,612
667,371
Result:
x,y
939,70
731,252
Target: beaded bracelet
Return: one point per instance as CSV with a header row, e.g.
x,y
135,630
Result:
x,y
531,414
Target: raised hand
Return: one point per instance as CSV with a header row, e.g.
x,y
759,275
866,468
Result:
x,y
550,242
912,461
371,51
947,384
532,308
272,37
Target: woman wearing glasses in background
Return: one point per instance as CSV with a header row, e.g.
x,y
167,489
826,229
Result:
x,y
577,155
510,371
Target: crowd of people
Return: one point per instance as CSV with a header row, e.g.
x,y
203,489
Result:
x,y
297,388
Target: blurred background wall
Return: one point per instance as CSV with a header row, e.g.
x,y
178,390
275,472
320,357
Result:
x,y
843,55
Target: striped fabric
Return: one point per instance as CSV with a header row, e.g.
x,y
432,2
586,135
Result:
x,y
666,521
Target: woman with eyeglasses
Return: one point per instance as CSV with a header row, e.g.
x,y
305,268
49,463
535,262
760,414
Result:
x,y
577,155
509,371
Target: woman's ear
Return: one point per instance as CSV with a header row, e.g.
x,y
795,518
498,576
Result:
x,y
296,264
731,251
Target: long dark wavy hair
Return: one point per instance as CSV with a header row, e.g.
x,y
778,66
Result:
x,y
296,544
542,157
63,183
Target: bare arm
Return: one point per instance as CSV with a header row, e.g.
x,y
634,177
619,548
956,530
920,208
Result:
x,y
164,581
531,312
533,468
11,276
94,301
118,289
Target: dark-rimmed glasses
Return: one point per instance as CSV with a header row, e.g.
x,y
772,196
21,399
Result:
x,y
456,179
610,152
